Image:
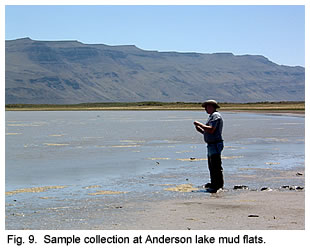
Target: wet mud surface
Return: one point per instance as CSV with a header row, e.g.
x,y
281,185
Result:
x,y
109,170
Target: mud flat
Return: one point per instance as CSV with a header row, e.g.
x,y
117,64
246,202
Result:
x,y
145,170
260,210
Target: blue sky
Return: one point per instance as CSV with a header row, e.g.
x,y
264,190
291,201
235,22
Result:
x,y
277,32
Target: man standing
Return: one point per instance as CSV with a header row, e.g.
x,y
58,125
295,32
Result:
x,y
212,132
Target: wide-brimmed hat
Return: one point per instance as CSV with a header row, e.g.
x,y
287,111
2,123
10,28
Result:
x,y
210,102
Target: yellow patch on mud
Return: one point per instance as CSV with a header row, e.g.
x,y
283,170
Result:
x,y
232,157
56,144
272,163
46,198
92,186
34,190
184,188
132,141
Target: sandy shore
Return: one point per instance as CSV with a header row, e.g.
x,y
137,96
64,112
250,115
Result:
x,y
192,208
259,210
165,206
278,209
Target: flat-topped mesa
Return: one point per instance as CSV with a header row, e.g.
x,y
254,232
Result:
x,y
69,72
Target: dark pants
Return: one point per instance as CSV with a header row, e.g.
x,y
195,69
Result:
x,y
215,164
216,171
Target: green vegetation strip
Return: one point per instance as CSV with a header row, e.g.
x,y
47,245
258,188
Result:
x,y
261,106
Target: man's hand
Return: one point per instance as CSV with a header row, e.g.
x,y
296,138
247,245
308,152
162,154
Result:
x,y
203,128
198,127
197,123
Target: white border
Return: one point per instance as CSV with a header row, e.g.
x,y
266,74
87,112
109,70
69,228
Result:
x,y
285,239
154,2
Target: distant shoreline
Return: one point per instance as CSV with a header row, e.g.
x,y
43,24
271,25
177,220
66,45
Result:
x,y
270,107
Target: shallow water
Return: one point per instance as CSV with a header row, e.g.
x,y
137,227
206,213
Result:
x,y
65,158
